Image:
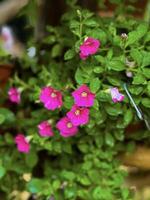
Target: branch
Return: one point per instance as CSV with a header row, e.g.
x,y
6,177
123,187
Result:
x,y
10,8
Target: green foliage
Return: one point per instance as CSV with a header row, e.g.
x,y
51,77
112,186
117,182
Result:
x,y
83,167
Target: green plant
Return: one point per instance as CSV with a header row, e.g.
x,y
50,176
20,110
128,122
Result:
x,y
83,167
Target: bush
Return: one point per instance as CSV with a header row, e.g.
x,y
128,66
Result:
x,y
84,166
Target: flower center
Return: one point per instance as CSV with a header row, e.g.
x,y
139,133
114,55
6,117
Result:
x,y
53,95
77,112
84,94
69,125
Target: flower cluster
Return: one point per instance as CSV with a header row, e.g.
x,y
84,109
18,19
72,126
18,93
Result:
x,y
79,113
52,99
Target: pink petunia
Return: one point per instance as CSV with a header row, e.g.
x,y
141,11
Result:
x,y
78,115
45,129
89,47
83,96
51,98
66,128
14,95
116,95
22,143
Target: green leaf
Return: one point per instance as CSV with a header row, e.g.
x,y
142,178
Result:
x,y
128,116
98,70
139,79
109,139
83,147
95,84
9,138
35,185
90,23
56,184
7,116
113,80
102,193
84,180
79,76
114,110
68,102
146,102
31,159
68,175
2,119
136,55
70,192
98,34
116,65
2,171
56,51
146,72
146,59
136,35
69,54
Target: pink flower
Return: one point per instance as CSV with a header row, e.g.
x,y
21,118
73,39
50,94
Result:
x,y
14,95
78,116
22,143
51,98
83,96
66,127
45,129
89,47
116,96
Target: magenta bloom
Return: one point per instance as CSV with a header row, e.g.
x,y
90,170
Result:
x,y
14,95
89,47
45,129
78,115
22,143
66,128
83,96
51,98
116,96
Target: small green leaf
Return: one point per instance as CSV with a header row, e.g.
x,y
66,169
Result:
x,y
109,139
84,180
146,59
31,159
2,171
69,54
128,116
139,79
136,35
116,65
2,118
68,175
68,102
136,55
95,84
70,192
35,185
56,50
8,116
146,72
98,70
146,102
79,76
